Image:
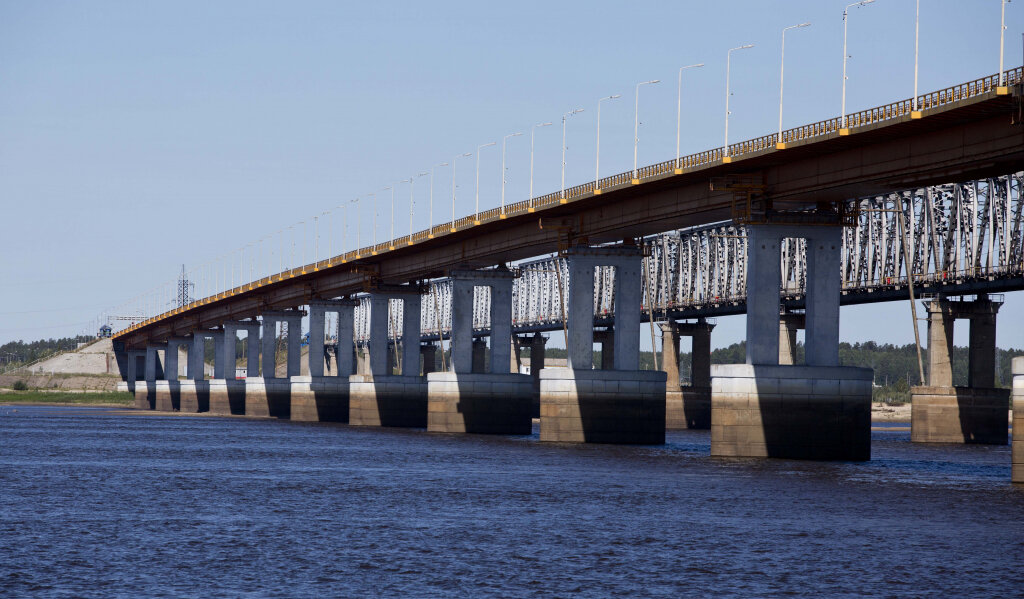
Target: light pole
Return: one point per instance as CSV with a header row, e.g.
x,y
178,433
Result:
x,y
561,195
411,204
454,186
597,159
391,245
476,217
636,127
430,231
679,108
1002,35
728,63
280,256
917,37
358,242
374,206
845,14
533,130
782,70
503,169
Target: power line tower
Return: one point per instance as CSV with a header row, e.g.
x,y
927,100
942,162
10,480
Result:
x,y
185,289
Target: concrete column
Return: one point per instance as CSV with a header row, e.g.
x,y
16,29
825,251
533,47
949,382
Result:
x,y
411,334
940,342
764,277
197,357
628,290
133,365
670,354
607,340
462,326
294,346
581,312
501,325
537,343
700,363
346,333
316,339
227,355
171,367
252,350
269,341
429,353
824,286
392,357
479,355
219,362
378,342
789,324
153,361
982,349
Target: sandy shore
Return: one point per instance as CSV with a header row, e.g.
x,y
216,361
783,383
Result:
x,y
881,412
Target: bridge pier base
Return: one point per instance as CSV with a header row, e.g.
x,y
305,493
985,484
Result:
x,y
194,396
817,411
623,404
168,396
319,399
228,396
977,413
1018,421
387,400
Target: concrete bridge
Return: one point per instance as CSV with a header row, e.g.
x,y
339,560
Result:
x,y
813,215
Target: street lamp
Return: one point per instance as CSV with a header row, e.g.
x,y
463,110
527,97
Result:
x,y
533,130
503,140
636,126
430,233
846,11
728,63
374,206
358,242
391,244
411,204
476,217
782,69
454,160
561,195
1002,35
917,37
679,109
597,160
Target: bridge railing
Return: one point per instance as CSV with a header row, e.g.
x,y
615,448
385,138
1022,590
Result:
x,y
827,127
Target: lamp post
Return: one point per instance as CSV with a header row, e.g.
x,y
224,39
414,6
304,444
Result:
x,y
561,195
476,217
430,233
679,107
917,37
391,245
503,169
533,130
1002,35
845,15
636,126
454,186
597,159
358,242
374,206
411,204
728,63
782,71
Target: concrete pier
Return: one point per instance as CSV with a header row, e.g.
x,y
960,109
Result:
x,y
687,406
194,396
227,396
977,413
381,398
620,405
469,400
323,396
168,396
1018,421
815,411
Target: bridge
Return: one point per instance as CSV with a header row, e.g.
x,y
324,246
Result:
x,y
828,213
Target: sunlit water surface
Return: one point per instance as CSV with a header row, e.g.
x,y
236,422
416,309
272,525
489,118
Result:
x,y
102,503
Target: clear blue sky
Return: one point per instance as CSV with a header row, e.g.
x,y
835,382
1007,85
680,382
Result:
x,y
139,136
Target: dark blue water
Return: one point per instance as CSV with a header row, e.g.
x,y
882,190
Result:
x,y
100,503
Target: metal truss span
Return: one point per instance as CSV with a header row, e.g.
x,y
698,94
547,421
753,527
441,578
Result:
x,y
962,238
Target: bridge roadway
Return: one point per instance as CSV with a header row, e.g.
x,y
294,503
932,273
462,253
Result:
x,y
961,133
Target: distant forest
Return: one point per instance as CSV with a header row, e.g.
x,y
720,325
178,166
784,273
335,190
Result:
x,y
20,352
895,366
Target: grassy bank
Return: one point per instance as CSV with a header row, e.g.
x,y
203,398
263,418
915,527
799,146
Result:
x,y
59,397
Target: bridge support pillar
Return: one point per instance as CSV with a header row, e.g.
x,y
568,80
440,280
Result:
x,y
944,413
1018,420
320,398
168,391
620,405
428,351
606,338
263,392
154,372
381,398
469,399
789,324
817,411
687,406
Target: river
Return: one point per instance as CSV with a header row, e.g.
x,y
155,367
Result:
x,y
107,503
